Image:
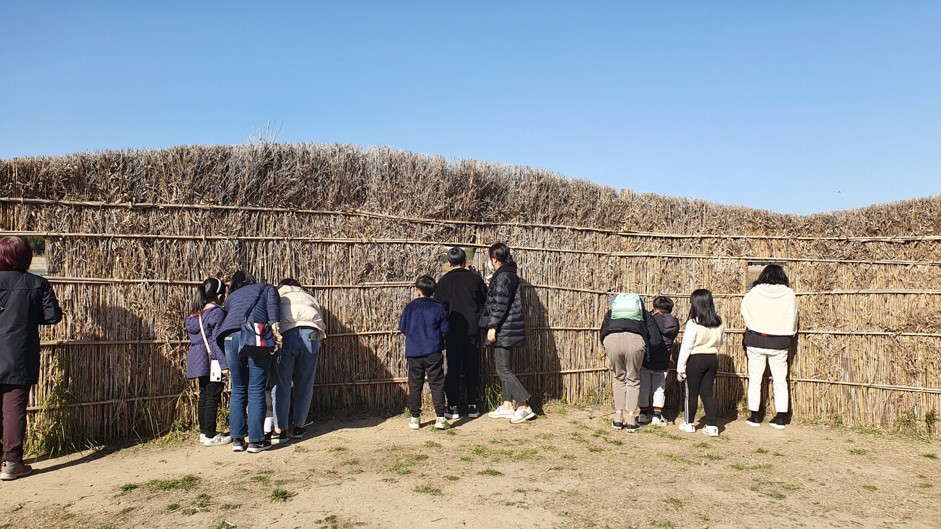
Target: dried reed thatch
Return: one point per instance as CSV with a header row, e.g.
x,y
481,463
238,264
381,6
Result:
x,y
129,233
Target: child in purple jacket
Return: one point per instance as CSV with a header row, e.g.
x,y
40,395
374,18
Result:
x,y
201,325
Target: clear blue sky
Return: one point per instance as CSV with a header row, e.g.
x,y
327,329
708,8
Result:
x,y
796,107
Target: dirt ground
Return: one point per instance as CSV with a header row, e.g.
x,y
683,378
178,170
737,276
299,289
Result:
x,y
560,470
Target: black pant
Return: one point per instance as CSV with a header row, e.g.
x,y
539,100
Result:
x,y
418,367
463,355
210,393
15,398
701,372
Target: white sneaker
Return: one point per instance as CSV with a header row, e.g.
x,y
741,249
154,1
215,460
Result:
x,y
202,438
441,423
501,413
472,411
522,415
658,420
711,431
414,423
452,413
218,440
686,427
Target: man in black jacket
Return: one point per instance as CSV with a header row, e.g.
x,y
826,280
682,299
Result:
x,y
463,293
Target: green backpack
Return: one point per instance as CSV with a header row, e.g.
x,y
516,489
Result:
x,y
627,307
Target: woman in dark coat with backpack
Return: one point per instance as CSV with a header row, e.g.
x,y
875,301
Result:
x,y
502,318
26,302
254,304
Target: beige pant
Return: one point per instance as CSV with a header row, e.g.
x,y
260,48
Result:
x,y
625,351
776,359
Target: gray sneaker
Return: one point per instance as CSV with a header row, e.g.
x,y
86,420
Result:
x,y
14,470
441,423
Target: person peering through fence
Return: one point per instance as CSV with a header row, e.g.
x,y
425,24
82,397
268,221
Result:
x,y
502,317
26,302
302,329
698,363
249,335
205,360
769,310
627,333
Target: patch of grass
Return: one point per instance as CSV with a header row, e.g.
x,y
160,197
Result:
x,y
428,489
222,524
403,464
676,503
870,488
667,524
776,495
930,455
490,472
859,451
738,466
189,511
676,458
352,461
345,449
230,506
260,478
202,501
662,432
592,448
778,454
526,454
615,442
760,450
451,478
432,444
449,431
466,458
568,456
556,468
108,526
925,485
128,487
703,445
790,486
577,437
714,457
281,495
763,466
126,510
300,450
173,507
187,482
479,450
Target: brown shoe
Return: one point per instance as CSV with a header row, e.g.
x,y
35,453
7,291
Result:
x,y
14,470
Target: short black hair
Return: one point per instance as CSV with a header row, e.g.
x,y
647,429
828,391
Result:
x,y
426,285
772,275
290,282
457,256
663,303
240,279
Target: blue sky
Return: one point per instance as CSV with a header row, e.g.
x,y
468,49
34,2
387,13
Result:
x,y
797,107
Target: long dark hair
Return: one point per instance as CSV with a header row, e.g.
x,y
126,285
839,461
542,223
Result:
x,y
240,279
702,309
212,289
501,252
772,275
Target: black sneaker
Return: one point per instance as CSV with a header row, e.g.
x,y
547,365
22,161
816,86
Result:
x,y
777,422
615,425
631,428
472,411
267,441
754,419
299,432
238,445
280,438
254,448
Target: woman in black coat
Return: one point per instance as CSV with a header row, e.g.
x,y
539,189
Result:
x,y
502,317
26,302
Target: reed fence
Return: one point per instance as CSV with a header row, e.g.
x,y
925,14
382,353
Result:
x,y
129,234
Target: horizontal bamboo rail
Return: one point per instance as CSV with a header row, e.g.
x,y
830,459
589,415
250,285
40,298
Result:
x,y
422,220
415,242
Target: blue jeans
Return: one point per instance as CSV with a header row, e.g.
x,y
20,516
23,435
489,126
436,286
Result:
x,y
249,380
297,364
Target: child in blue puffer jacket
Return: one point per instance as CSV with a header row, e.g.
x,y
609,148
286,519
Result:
x,y
201,325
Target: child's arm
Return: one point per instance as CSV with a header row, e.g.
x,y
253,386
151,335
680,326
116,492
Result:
x,y
689,338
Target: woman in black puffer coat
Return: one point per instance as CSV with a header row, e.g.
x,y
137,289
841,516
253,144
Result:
x,y
502,317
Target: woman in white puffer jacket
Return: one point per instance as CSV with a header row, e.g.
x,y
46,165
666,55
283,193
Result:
x,y
302,329
770,313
